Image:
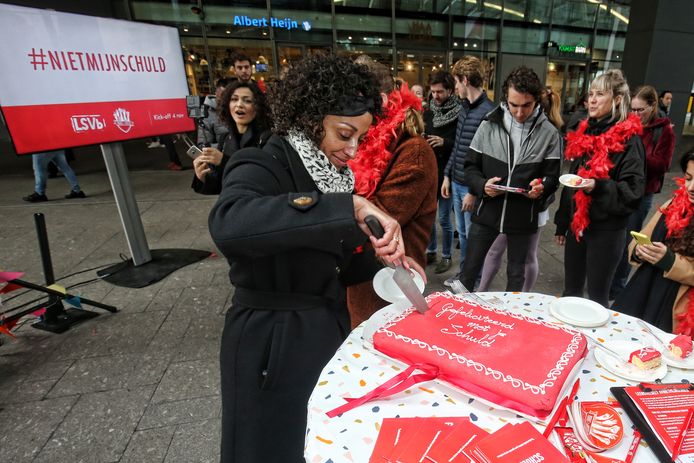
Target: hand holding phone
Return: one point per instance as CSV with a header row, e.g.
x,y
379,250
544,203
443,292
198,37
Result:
x,y
193,152
640,238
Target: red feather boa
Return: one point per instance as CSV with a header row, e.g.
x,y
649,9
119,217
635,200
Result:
x,y
598,149
678,214
373,155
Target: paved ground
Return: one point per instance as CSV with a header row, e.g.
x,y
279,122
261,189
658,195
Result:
x,y
142,384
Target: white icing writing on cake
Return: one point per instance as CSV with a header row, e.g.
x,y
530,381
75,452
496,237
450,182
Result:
x,y
452,312
485,341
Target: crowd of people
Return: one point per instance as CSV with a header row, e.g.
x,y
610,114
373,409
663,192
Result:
x,y
299,169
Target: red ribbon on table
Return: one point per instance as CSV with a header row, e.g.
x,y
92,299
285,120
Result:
x,y
396,384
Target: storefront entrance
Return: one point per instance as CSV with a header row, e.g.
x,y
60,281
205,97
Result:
x,y
567,79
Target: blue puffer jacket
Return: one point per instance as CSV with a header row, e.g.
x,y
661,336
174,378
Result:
x,y
470,117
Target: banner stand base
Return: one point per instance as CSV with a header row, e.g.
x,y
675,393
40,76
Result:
x,y
164,262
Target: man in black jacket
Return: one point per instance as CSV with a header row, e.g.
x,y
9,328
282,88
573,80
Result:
x,y
512,166
440,122
468,74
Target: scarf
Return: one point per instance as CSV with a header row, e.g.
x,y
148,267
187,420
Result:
x,y
677,215
447,112
597,148
373,156
326,176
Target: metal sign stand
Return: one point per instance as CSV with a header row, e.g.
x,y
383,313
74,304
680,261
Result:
x,y
114,157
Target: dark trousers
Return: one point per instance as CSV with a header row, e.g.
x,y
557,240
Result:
x,y
167,141
594,261
480,239
270,362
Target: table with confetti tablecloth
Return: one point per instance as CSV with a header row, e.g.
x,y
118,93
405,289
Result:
x,y
355,370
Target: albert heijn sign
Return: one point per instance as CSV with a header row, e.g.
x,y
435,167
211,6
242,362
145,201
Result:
x,y
72,80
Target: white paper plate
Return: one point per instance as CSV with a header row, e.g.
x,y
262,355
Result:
x,y
385,286
686,363
579,312
625,369
569,179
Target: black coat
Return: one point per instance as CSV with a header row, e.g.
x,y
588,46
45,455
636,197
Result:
x,y
231,143
613,198
443,153
288,312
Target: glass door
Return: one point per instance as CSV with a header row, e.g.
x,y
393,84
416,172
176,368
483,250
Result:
x,y
567,79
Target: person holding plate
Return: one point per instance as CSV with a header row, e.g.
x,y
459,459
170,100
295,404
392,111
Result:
x,y
660,291
288,223
511,168
607,153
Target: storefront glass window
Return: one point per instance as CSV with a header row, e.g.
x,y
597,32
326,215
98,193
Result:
x,y
524,39
423,6
576,13
421,33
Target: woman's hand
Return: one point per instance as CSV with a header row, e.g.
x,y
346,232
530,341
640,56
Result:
x,y
209,157
390,247
651,253
201,168
536,189
560,239
212,156
468,202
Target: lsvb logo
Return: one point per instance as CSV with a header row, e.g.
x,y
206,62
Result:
x,y
121,119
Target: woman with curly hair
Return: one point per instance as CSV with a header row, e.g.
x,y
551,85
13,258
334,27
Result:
x,y
395,168
607,153
288,223
245,111
660,291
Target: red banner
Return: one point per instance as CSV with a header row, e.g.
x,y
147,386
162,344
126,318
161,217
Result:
x,y
79,124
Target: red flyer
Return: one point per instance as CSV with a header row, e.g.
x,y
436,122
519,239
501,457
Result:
x,y
520,443
392,438
429,433
665,409
450,450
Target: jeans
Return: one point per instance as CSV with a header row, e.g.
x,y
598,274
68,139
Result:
x,y
446,229
40,163
462,219
635,223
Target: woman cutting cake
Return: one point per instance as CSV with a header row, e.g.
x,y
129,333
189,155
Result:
x,y
288,223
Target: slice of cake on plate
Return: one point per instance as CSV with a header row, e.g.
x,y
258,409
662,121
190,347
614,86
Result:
x,y
508,359
680,346
646,358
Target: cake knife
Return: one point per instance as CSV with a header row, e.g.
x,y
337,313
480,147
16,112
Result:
x,y
401,276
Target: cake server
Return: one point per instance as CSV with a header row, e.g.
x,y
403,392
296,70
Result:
x,y
401,276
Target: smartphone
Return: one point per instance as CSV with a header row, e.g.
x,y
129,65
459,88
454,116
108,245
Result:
x,y
194,151
641,238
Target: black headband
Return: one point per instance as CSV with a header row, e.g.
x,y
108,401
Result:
x,y
351,106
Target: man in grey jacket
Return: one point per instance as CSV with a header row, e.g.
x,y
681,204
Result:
x,y
468,74
512,167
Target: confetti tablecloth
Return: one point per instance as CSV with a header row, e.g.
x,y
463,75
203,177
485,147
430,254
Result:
x,y
355,370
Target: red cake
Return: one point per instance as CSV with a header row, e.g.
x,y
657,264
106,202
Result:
x,y
647,358
681,346
517,362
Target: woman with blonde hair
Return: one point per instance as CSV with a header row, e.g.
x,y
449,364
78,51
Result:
x,y
591,220
395,169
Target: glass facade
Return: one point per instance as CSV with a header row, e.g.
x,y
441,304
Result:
x,y
567,41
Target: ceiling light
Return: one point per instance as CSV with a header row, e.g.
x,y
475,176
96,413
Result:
x,y
228,32
185,29
455,44
474,45
349,38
